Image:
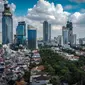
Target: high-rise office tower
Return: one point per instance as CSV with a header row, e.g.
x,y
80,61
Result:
x,y
60,40
32,37
49,32
69,26
21,32
7,25
74,39
65,35
46,31
81,41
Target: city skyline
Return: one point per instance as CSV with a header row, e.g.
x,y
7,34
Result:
x,y
34,13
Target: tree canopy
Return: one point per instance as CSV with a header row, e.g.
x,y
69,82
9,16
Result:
x,y
56,65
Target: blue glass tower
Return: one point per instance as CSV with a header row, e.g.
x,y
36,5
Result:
x,y
32,36
7,25
21,32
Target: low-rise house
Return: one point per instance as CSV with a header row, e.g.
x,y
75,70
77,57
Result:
x,y
40,80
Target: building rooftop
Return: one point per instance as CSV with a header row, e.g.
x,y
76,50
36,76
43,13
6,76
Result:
x,y
42,78
31,27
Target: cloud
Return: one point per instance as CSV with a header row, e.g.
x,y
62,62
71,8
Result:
x,y
44,10
12,7
55,15
78,1
48,11
69,7
78,20
1,6
82,10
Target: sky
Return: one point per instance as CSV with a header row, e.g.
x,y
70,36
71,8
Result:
x,y
56,12
69,5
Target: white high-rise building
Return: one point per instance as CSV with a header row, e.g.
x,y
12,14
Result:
x,y
74,39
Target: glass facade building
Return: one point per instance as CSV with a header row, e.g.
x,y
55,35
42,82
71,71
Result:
x,y
32,36
49,32
7,25
21,32
65,35
69,26
46,31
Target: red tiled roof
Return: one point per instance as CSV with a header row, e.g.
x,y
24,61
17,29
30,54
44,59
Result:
x,y
41,67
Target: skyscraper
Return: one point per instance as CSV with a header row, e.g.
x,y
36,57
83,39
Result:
x,y
74,39
46,31
32,37
65,35
21,32
7,25
69,26
49,32
60,40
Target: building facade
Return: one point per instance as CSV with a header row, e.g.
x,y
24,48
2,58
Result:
x,y
7,25
49,32
74,39
65,35
21,32
46,31
82,41
69,26
60,40
32,37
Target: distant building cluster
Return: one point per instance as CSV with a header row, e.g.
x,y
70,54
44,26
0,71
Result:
x,y
67,32
67,38
27,34
21,32
82,41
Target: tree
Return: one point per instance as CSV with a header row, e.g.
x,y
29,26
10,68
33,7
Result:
x,y
69,71
55,80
